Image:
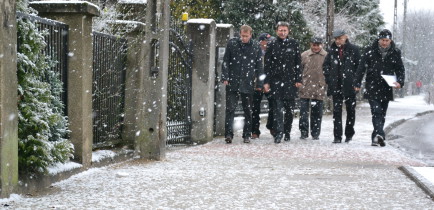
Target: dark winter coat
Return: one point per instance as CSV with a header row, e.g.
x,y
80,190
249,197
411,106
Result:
x,y
344,70
282,68
242,64
373,65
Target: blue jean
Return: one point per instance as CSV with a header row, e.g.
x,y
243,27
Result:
x,y
378,112
316,110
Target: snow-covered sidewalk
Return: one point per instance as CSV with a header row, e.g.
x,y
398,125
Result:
x,y
300,174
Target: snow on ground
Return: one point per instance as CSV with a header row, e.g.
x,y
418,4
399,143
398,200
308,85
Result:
x,y
62,167
300,174
426,172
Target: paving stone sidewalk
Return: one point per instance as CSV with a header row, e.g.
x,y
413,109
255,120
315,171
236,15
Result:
x,y
299,174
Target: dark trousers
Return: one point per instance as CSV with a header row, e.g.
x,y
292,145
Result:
x,y
378,112
283,115
270,119
316,109
350,105
257,98
231,105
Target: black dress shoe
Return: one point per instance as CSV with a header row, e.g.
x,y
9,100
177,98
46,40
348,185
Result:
x,y
374,142
287,138
303,137
337,141
246,140
347,140
278,138
228,139
315,138
380,141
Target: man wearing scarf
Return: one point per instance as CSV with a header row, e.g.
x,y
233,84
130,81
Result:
x,y
381,59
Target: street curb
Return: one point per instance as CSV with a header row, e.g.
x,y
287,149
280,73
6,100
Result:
x,y
399,122
420,181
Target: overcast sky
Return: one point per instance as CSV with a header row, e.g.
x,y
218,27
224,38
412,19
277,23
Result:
x,y
387,8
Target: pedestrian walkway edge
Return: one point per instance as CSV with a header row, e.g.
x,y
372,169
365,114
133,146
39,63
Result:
x,y
399,122
421,181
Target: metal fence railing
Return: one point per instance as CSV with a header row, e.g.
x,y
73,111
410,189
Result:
x,y
56,38
108,89
179,87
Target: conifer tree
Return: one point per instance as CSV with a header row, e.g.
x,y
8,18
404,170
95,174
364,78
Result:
x,y
361,17
263,15
42,126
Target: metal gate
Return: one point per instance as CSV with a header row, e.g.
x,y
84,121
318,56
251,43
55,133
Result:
x,y
179,87
108,88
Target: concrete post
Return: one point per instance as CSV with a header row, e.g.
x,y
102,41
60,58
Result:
x,y
132,10
152,133
224,33
8,99
202,33
135,74
78,15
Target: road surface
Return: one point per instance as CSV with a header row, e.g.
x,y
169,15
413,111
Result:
x,y
415,137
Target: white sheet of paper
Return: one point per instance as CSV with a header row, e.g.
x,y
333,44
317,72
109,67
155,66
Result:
x,y
390,79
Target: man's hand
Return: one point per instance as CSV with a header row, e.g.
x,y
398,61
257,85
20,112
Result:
x,y
266,88
397,85
225,82
298,84
357,89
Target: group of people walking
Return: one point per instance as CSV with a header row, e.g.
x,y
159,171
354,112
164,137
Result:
x,y
277,68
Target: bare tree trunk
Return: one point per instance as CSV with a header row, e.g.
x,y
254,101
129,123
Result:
x,y
330,21
329,36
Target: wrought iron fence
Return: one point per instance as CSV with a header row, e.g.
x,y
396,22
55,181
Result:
x,y
56,38
179,87
108,88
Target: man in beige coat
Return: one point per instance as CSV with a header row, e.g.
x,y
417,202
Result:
x,y
312,93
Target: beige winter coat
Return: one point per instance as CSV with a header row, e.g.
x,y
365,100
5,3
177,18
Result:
x,y
314,86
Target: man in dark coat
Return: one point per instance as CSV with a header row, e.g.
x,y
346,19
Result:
x,y
340,66
283,77
263,39
242,65
381,59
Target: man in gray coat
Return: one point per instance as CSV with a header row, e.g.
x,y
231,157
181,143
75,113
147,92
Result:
x,y
242,65
312,92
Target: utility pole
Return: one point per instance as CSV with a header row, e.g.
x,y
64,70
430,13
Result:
x,y
395,18
404,29
330,21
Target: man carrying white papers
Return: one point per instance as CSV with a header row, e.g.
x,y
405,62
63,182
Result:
x,y
390,79
382,64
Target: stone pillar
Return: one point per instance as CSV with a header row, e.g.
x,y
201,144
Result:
x,y
78,15
133,31
151,133
202,33
224,33
8,99
132,10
